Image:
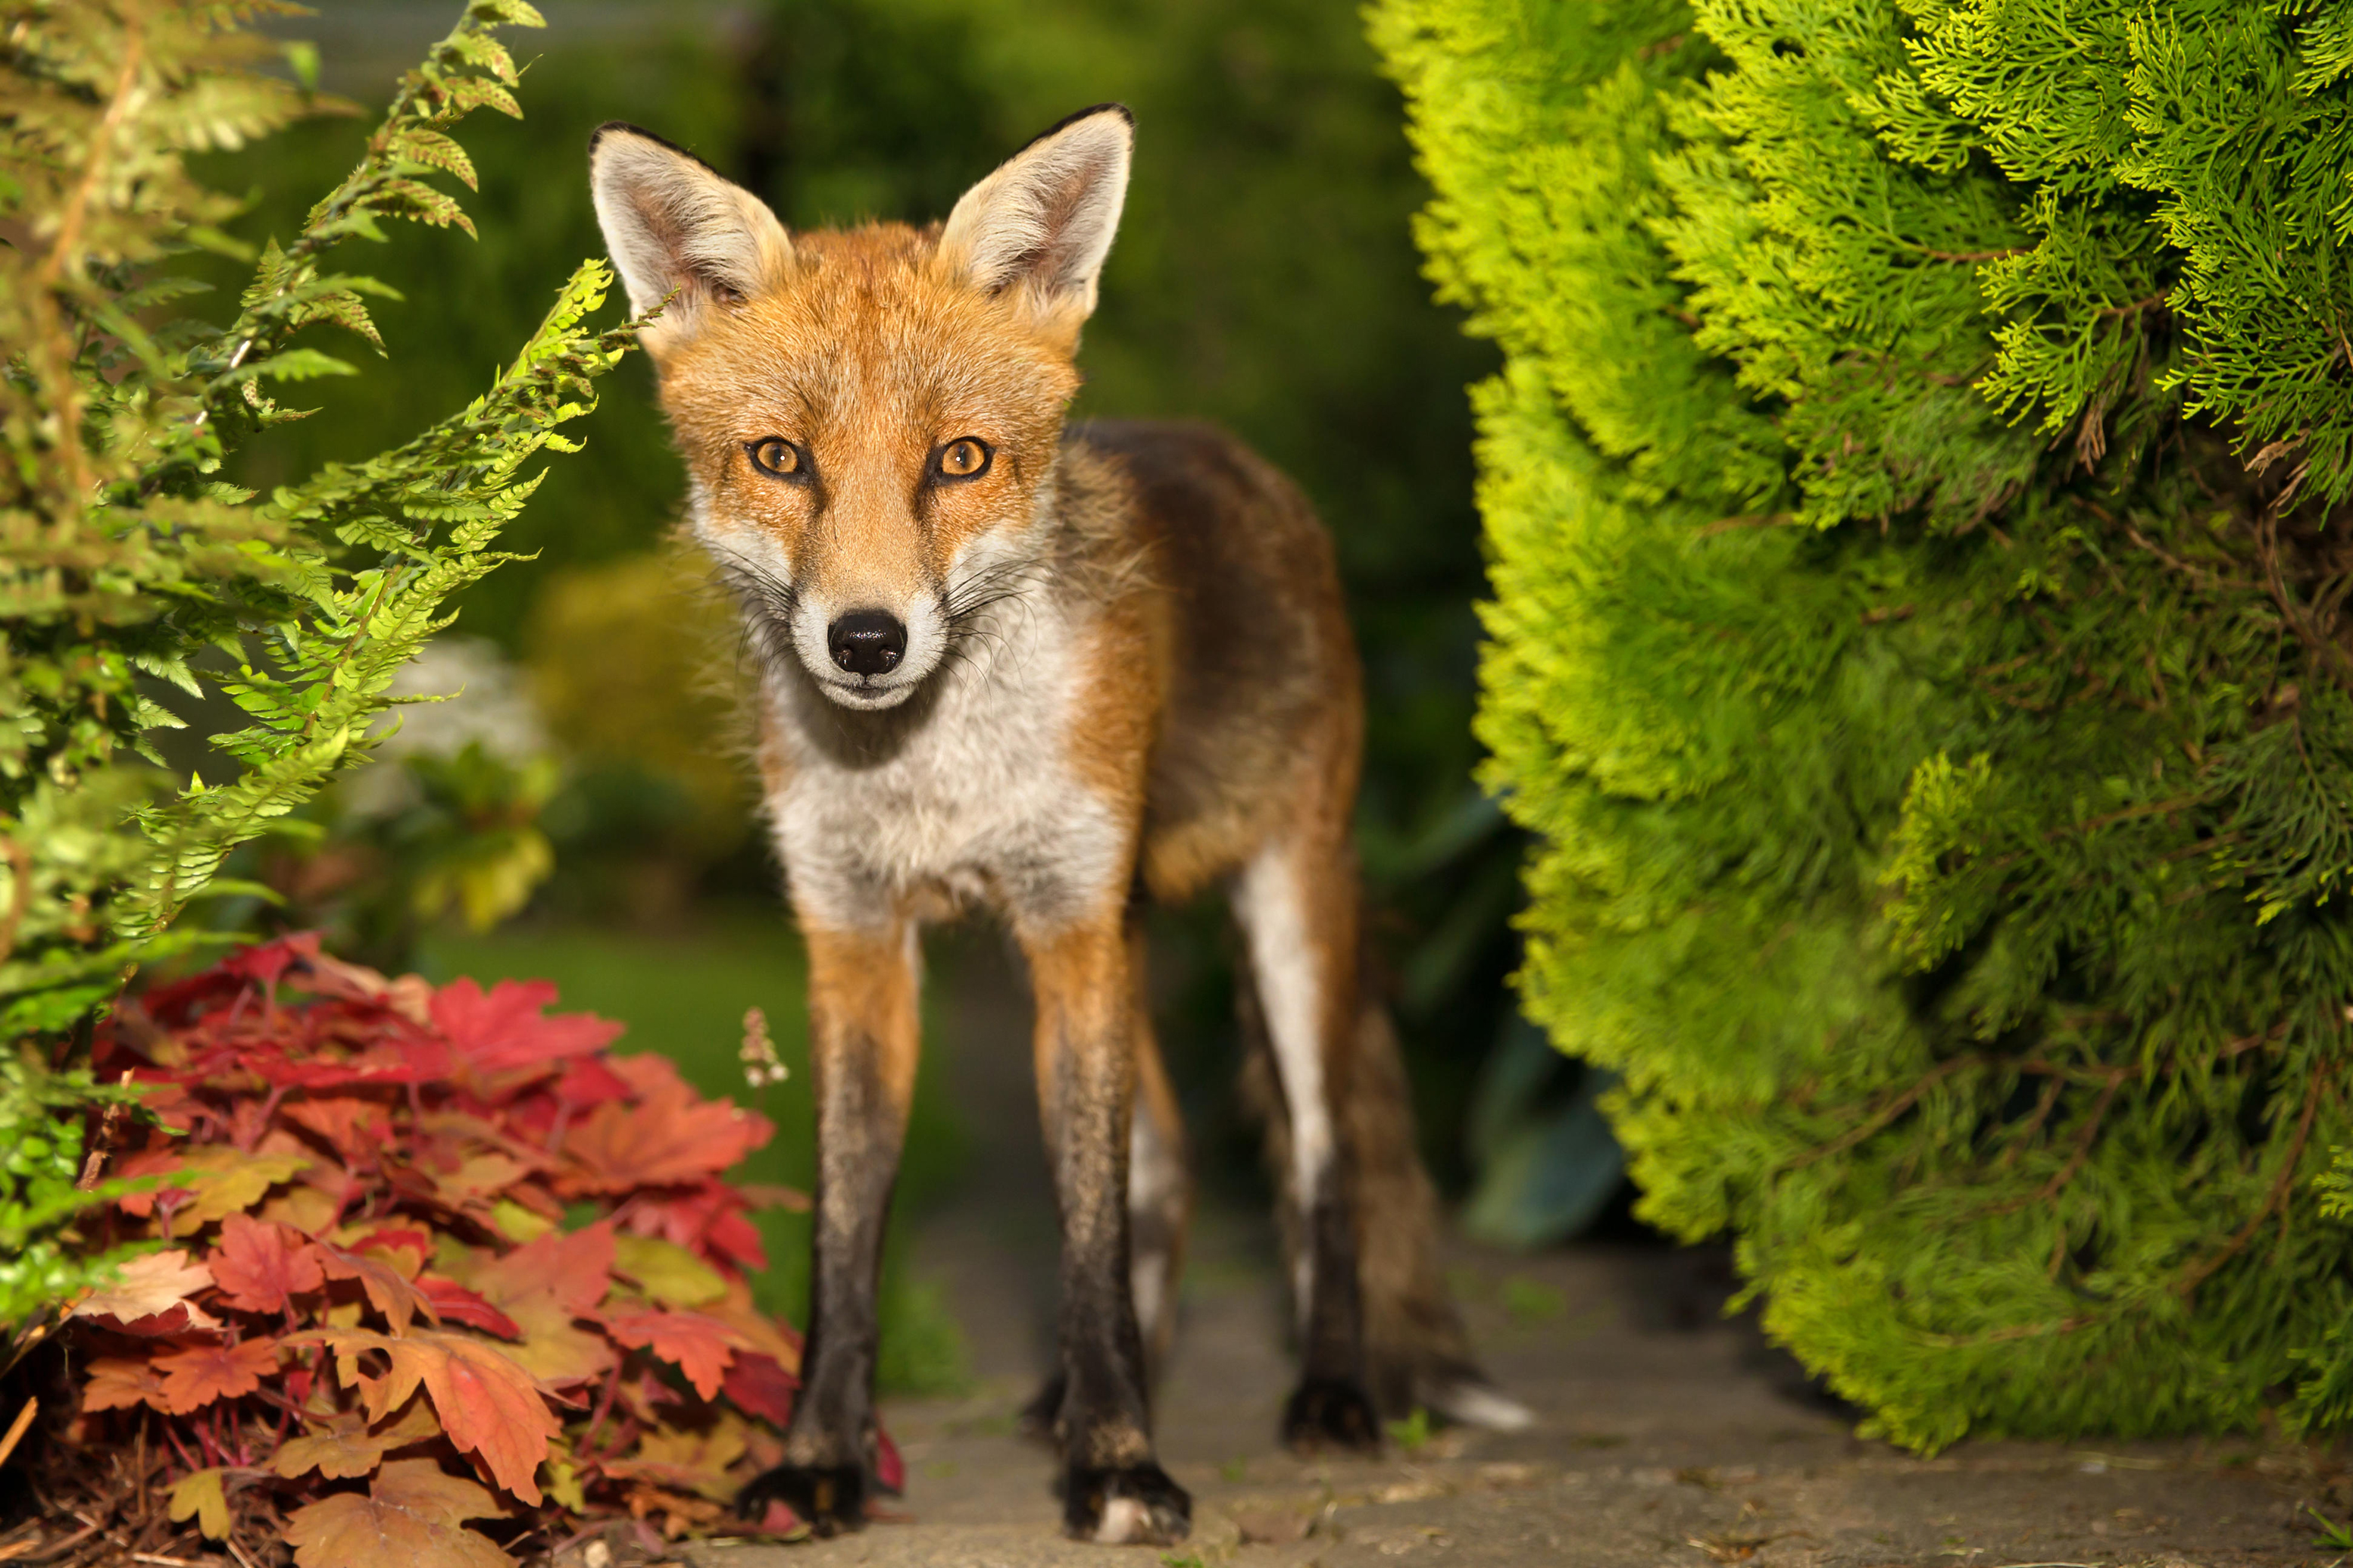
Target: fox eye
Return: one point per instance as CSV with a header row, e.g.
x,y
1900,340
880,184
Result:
x,y
965,458
778,457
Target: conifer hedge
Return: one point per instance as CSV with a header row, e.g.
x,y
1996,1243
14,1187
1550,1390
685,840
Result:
x,y
1917,497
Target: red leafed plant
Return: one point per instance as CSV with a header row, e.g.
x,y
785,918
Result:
x,y
440,1278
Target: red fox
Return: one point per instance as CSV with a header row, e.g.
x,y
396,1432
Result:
x,y
1050,671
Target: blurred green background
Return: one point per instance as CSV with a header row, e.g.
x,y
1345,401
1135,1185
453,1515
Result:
x,y
1264,277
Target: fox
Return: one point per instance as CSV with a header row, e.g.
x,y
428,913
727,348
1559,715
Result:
x,y
1056,672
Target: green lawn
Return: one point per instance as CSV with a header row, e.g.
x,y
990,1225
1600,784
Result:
x,y
684,995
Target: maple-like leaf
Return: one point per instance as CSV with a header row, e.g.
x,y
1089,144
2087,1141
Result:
x,y
210,1183
671,1135
354,1125
199,1495
489,1405
698,1346
412,1516
453,1303
575,1267
506,1029
119,1382
261,1267
388,1290
345,1447
196,1376
758,1386
149,1295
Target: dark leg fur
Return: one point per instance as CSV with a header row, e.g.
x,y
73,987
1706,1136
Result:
x,y
1113,1488
862,1074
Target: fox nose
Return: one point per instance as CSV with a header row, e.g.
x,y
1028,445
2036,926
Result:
x,y
866,642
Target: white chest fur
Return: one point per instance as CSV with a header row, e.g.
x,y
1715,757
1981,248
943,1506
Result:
x,y
967,795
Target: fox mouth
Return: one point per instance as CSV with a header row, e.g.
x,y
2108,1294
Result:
x,y
865,693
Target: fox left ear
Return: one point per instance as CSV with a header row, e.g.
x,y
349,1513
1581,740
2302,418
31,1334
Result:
x,y
678,231
1040,226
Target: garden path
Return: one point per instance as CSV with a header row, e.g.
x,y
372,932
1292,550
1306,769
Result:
x,y
1667,1435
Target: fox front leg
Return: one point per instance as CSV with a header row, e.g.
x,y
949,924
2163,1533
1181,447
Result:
x,y
862,1049
1113,1489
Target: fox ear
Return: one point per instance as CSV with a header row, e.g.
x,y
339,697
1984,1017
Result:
x,y
674,226
1041,224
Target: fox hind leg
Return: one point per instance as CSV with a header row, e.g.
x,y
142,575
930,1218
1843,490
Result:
x,y
1297,910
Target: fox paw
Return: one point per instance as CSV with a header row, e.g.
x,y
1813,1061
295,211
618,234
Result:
x,y
1134,1505
1330,1413
829,1499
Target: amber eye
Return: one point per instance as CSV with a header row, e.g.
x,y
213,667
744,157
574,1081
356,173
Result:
x,y
965,458
778,457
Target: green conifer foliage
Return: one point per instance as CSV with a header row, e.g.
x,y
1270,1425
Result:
x,y
1917,497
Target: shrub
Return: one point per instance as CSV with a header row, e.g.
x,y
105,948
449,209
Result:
x,y
1917,496
407,1235
128,566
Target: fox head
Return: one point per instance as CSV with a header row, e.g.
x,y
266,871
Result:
x,y
869,418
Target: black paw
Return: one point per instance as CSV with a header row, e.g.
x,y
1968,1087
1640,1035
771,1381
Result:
x,y
829,1499
1138,1505
1042,1418
1330,1413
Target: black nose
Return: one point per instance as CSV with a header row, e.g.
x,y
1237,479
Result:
x,y
866,642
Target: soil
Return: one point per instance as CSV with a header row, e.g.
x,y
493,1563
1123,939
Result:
x,y
1666,1434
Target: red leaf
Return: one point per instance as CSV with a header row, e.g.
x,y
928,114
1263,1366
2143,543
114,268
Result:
x,y
779,1520
198,1376
589,1081
456,1304
759,1386
576,1268
259,1268
890,1471
671,1136
355,1126
266,960
706,1218
698,1346
504,1030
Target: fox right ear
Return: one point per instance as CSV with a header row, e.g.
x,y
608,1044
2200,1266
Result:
x,y
674,226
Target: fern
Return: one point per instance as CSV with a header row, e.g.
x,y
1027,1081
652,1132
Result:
x,y
124,555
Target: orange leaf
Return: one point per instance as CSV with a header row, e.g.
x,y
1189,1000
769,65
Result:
x,y
488,1404
260,1267
196,1376
152,1287
387,1291
698,1346
671,1135
575,1269
118,1383
411,1517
